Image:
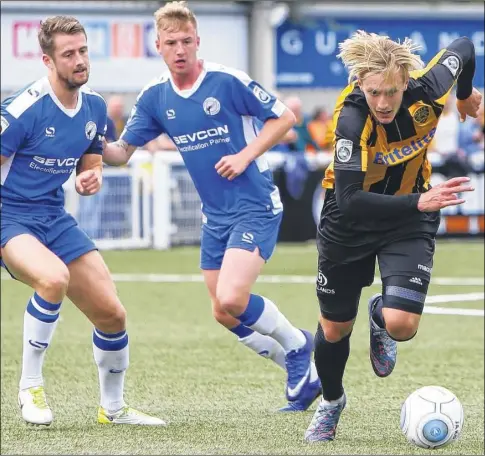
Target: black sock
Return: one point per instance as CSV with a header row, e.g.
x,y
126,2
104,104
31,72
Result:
x,y
330,361
377,313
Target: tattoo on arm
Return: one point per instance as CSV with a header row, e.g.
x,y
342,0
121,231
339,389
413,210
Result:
x,y
125,148
122,144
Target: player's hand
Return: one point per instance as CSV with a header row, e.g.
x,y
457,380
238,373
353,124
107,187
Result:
x,y
469,106
444,194
88,182
231,166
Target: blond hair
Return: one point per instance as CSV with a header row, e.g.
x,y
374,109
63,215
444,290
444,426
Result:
x,y
365,53
55,25
174,16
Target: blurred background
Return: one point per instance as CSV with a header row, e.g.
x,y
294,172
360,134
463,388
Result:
x,y
290,48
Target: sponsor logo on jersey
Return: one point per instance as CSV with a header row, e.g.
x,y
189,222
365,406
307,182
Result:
x,y
53,165
400,154
170,114
263,96
202,139
452,63
211,106
422,114
34,93
50,132
90,130
56,161
344,150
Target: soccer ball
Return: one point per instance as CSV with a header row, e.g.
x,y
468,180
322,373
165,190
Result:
x,y
432,417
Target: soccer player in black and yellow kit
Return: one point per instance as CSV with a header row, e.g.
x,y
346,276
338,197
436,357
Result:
x,y
379,202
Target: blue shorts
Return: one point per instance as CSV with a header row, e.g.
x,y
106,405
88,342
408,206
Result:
x,y
249,233
59,232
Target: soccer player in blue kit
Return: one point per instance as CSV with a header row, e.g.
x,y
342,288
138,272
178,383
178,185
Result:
x,y
49,129
209,112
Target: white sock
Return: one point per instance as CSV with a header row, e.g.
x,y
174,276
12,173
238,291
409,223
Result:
x,y
265,346
111,353
40,322
273,323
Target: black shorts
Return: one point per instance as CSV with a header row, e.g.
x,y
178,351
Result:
x,y
339,283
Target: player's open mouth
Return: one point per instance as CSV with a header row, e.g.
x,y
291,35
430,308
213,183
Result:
x,y
180,62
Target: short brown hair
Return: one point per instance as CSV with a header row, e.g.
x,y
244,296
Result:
x,y
173,16
52,26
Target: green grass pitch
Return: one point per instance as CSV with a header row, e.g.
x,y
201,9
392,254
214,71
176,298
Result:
x,y
218,396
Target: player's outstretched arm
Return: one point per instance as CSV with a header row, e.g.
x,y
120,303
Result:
x,y
231,166
470,105
444,194
455,64
117,153
89,174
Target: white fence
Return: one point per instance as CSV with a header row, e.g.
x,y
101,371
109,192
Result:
x,y
152,203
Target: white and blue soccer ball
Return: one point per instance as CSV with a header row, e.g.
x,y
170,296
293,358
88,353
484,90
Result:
x,y
432,417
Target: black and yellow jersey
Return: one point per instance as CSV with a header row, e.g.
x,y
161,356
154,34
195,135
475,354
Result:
x,y
394,156
378,171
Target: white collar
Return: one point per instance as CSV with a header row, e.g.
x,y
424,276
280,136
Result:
x,y
69,112
187,93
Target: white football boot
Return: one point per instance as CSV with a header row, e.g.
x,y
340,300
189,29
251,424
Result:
x,y
34,407
128,415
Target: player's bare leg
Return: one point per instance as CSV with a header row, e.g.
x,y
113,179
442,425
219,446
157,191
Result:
x,y
264,346
33,264
239,271
388,326
92,290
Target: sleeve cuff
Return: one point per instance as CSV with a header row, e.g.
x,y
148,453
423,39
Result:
x,y
132,139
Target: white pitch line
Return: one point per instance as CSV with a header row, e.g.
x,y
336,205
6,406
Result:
x,y
183,278
455,298
429,308
303,279
453,311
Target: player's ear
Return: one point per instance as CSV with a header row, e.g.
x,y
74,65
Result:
x,y
406,82
47,61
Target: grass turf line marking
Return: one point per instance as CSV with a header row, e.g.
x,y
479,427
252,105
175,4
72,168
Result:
x,y
188,278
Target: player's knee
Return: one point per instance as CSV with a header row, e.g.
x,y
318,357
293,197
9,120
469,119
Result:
x,y
54,282
403,305
222,317
334,334
335,331
112,318
401,326
231,301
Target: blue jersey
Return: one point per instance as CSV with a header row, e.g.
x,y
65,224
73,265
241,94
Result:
x,y
217,117
44,142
